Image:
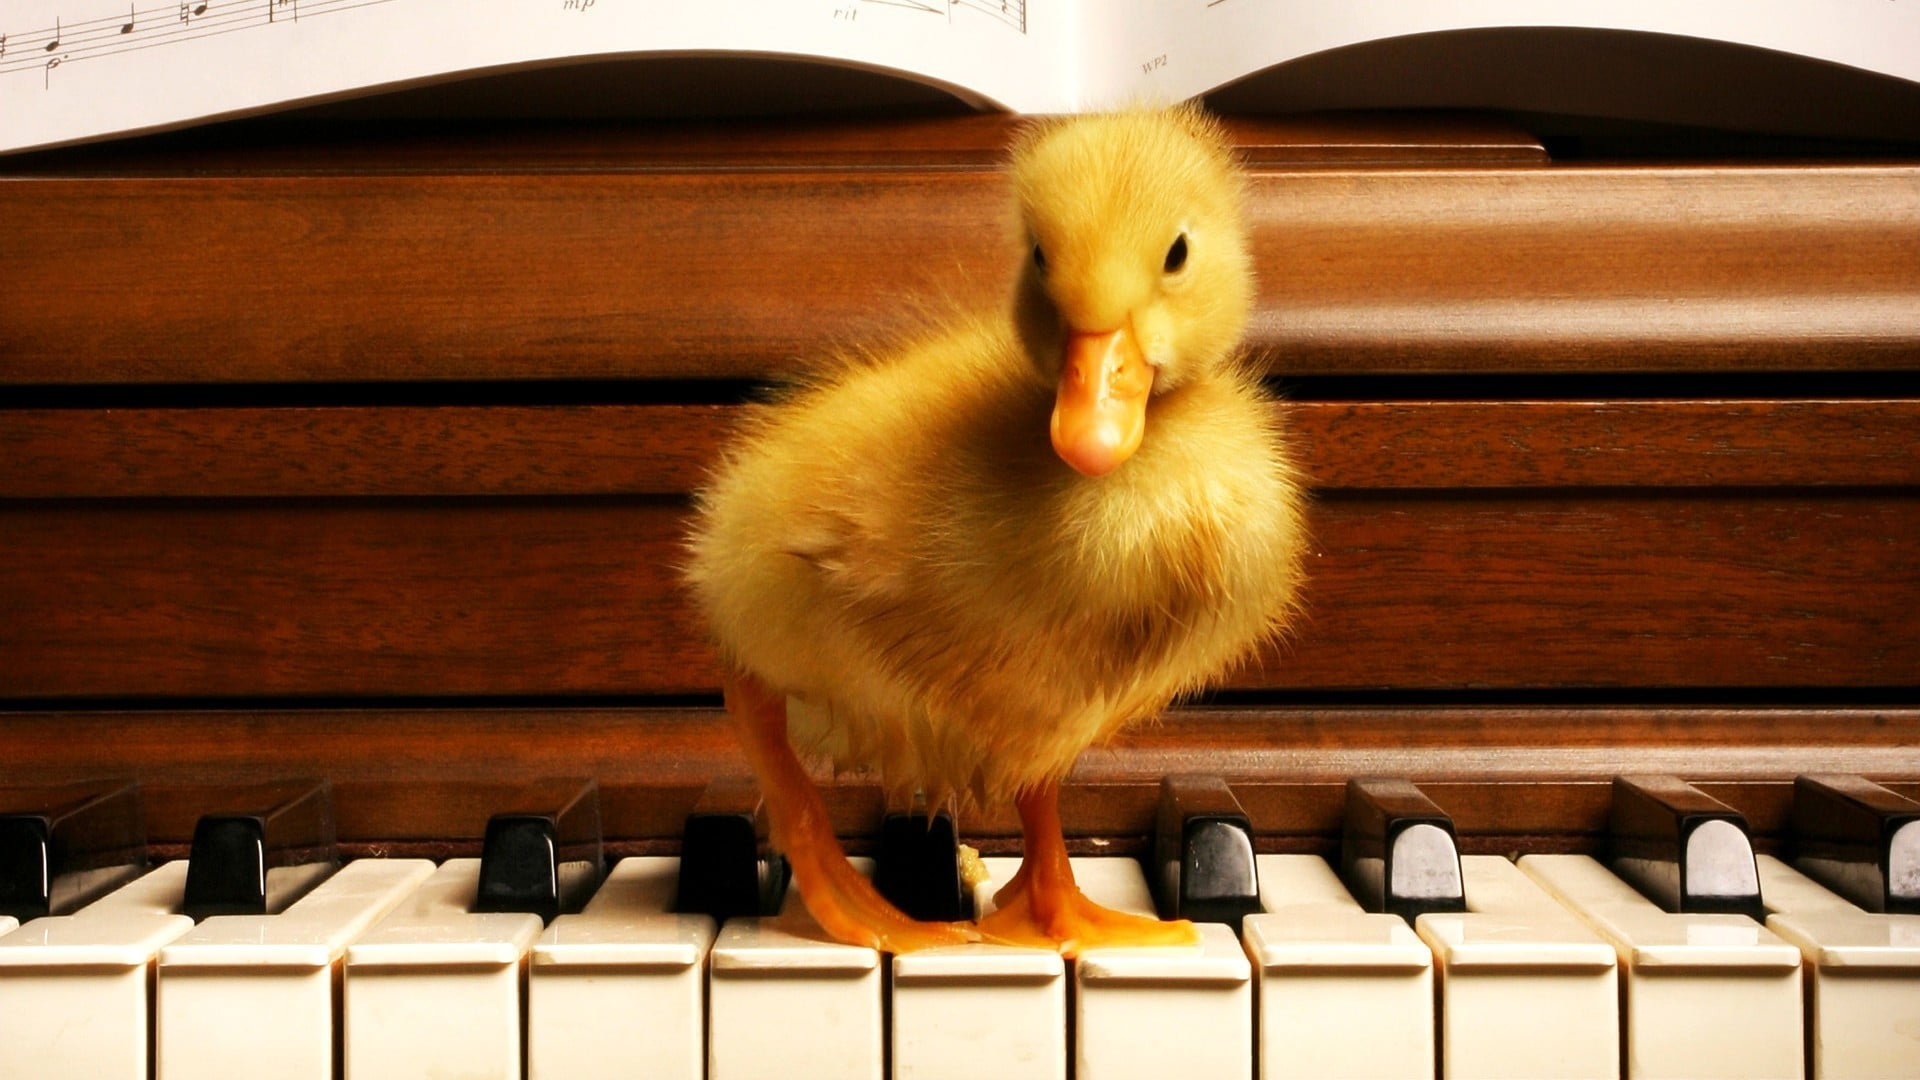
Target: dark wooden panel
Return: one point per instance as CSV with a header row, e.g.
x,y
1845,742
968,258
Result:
x,y
1672,443
1507,774
665,449
541,597
1613,590
463,598
1590,269
431,277
355,451
888,142
734,273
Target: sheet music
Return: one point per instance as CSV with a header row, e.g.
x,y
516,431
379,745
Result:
x,y
1193,46
74,69
77,69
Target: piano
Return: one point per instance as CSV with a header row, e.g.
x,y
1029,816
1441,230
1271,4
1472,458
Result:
x,y
342,475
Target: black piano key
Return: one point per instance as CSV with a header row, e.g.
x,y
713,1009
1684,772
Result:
x,y
62,847
1203,866
1860,840
543,853
726,869
1682,848
258,859
1399,852
917,867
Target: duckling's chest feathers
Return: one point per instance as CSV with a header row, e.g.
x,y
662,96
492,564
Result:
x,y
1126,588
904,554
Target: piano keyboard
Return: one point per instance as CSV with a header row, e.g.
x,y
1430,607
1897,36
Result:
x,y
1547,966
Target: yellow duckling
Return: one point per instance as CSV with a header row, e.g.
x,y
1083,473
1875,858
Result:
x,y
965,560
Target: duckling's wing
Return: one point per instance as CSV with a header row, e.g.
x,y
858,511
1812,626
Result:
x,y
854,565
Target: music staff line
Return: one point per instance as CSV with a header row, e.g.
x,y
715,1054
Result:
x,y
1011,12
177,21
136,29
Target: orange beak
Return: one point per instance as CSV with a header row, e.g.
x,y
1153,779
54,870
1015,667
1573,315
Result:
x,y
1100,409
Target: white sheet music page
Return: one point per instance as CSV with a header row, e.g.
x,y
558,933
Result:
x,y
1178,48
72,70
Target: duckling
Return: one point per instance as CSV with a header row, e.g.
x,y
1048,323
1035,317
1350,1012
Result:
x,y
962,560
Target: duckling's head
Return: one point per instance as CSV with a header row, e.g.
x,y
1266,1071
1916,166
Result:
x,y
1138,278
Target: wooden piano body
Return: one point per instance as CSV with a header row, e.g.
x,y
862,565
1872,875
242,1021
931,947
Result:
x,y
367,458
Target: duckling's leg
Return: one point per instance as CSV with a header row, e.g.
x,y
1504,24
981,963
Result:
x,y
841,900
1042,905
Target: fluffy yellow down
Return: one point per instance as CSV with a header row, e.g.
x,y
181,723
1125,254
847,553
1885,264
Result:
x,y
897,547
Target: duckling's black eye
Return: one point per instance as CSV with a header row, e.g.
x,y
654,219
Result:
x,y
1039,259
1177,254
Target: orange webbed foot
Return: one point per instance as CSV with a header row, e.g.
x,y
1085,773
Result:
x,y
1063,918
844,903
847,906
849,909
1042,906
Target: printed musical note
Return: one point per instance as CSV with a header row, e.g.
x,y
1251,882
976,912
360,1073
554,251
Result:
x,y
158,24
80,37
53,43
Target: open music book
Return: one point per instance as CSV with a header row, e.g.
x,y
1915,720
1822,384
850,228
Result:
x,y
72,70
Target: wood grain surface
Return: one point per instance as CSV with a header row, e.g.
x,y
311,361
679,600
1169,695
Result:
x,y
269,503
899,141
744,273
469,451
1514,778
1500,590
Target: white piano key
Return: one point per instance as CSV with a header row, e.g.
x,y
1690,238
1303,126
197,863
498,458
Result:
x,y
160,891
75,990
1158,1012
1863,968
784,1000
1707,996
620,988
1343,992
1528,991
981,1009
434,989
242,995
